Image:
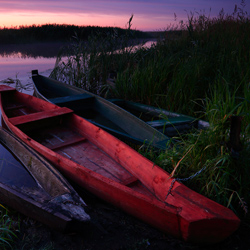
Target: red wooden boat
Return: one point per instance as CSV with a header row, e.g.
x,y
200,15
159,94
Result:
x,y
112,170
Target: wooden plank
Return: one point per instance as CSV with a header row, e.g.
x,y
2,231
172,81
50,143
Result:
x,y
170,121
39,116
158,123
14,107
130,181
67,143
51,136
91,157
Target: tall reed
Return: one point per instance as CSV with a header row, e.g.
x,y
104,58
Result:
x,y
173,73
203,71
88,64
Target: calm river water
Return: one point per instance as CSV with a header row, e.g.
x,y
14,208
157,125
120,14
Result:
x,y
17,61
15,65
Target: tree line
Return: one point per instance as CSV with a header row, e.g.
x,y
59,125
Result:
x,y
62,33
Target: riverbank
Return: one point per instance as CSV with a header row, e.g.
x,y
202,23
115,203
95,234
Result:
x,y
114,230
195,75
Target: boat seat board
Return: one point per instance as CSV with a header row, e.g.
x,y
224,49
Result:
x,y
39,116
170,121
71,98
67,143
130,181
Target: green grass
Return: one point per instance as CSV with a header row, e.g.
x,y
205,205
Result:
x,y
7,234
203,72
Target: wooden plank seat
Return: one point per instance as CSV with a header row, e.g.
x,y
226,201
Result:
x,y
71,98
66,143
130,181
170,121
39,116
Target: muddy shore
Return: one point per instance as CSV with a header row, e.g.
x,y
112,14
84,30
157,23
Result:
x,y
114,229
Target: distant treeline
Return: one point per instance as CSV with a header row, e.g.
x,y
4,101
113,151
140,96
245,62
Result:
x,y
62,33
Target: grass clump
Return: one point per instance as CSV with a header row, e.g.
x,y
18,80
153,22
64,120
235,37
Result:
x,y
173,73
6,231
217,170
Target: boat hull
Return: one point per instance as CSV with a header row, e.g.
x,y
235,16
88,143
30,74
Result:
x,y
115,172
170,123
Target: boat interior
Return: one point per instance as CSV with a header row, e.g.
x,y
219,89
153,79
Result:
x,y
57,133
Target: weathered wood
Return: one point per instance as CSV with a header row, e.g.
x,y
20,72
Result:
x,y
71,98
130,181
66,143
44,191
14,107
113,171
169,123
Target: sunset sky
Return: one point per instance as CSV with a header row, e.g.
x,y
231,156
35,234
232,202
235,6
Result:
x,y
148,14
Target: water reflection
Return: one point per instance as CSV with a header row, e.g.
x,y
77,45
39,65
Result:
x,y
12,172
35,50
18,60
14,67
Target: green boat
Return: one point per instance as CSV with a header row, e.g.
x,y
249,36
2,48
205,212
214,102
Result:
x,y
169,123
98,111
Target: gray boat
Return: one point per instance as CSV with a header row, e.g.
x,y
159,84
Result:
x,y
99,111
